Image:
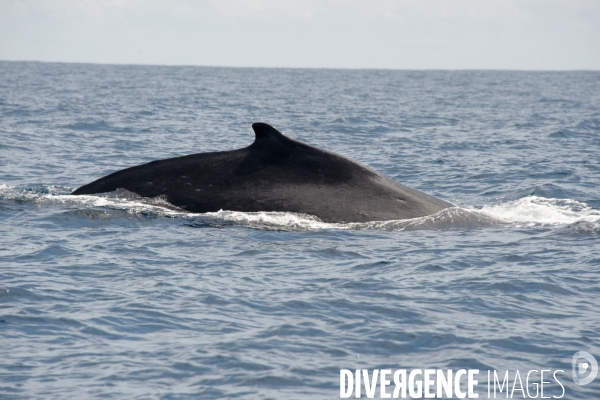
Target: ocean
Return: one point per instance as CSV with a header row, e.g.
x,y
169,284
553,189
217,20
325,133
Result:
x,y
115,297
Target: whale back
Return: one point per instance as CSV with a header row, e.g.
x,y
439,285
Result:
x,y
274,173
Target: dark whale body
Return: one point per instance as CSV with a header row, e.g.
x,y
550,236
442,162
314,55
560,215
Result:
x,y
275,173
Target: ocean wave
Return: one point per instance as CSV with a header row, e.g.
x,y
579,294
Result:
x,y
529,211
534,210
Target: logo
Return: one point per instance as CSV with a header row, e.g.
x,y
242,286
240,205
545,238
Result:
x,y
584,363
443,384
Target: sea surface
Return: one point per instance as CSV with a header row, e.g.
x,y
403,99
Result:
x,y
127,298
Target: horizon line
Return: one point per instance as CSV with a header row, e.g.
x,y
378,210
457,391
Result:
x,y
305,68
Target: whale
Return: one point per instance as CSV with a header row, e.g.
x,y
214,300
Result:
x,y
274,173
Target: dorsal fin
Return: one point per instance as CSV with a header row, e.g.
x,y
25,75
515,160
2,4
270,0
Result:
x,y
266,131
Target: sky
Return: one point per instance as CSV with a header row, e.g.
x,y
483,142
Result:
x,y
381,34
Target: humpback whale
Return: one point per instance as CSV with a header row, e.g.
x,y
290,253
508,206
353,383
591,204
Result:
x,y
275,173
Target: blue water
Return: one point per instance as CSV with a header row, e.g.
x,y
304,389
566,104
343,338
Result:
x,y
125,298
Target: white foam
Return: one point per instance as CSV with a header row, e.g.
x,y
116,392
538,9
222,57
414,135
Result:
x,y
273,220
60,195
533,210
528,211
